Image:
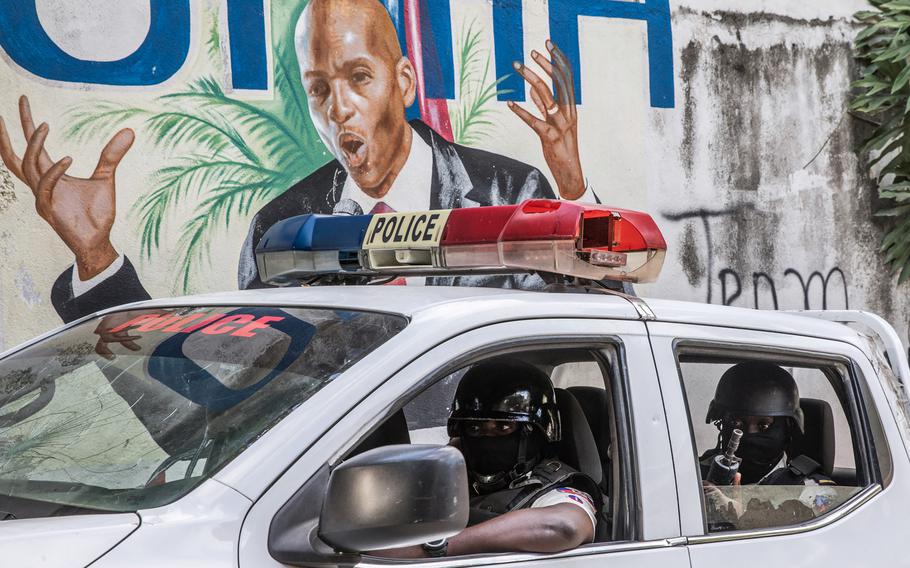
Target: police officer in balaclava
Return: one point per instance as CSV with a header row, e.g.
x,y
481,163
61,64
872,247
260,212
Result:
x,y
762,400
523,499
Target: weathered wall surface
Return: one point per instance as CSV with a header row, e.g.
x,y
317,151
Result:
x,y
771,205
724,119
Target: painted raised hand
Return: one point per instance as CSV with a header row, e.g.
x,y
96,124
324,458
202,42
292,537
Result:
x,y
558,127
80,210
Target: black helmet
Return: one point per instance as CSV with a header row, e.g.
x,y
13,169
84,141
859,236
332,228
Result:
x,y
506,390
755,388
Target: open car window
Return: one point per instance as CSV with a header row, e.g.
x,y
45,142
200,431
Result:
x,y
584,380
133,410
826,461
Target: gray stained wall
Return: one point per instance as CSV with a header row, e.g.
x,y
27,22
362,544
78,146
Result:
x,y
769,205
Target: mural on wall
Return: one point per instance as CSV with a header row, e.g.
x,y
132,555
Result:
x,y
178,132
332,137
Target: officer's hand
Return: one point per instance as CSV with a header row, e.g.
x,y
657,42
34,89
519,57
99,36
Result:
x,y
558,127
80,210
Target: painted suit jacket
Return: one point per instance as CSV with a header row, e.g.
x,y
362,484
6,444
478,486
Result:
x,y
462,177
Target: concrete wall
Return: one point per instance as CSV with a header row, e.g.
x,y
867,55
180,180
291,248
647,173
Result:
x,y
725,120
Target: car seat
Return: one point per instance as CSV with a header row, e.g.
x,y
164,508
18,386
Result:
x,y
578,449
594,404
817,441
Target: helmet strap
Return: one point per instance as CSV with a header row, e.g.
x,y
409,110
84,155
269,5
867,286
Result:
x,y
523,462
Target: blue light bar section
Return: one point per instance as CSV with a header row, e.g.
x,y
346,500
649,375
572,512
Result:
x,y
316,233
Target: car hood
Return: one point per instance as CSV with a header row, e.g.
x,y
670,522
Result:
x,y
63,542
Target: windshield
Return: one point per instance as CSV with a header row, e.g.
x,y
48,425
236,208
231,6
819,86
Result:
x,y
133,410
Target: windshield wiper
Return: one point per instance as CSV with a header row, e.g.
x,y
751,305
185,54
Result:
x,y
6,516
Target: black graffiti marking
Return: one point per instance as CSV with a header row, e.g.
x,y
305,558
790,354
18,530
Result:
x,y
706,215
722,276
757,277
729,275
806,284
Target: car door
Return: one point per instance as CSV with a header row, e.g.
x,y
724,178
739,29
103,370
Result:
x,y
651,482
858,520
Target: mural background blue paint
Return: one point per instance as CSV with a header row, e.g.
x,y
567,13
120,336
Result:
x,y
656,13
508,28
160,56
249,60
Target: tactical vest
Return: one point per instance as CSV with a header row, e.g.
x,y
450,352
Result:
x,y
797,471
521,494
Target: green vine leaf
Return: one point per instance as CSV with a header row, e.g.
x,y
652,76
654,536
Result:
x,y
883,95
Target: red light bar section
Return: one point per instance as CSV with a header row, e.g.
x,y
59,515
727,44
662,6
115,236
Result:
x,y
476,225
601,227
544,220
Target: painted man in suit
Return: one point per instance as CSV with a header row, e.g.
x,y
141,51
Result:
x,y
358,84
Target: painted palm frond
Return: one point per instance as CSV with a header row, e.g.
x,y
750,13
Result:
x,y
194,175
277,137
95,120
229,155
213,37
214,133
215,212
471,119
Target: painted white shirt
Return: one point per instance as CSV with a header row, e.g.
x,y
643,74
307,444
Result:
x,y
82,286
411,189
586,197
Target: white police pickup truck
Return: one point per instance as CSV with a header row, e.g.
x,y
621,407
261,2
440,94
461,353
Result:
x,y
305,426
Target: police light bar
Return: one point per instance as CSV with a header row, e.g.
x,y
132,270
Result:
x,y
591,242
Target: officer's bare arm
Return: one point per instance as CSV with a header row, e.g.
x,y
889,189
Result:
x,y
545,529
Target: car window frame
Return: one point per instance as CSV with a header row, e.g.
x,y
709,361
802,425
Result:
x,y
629,481
857,402
620,422
477,343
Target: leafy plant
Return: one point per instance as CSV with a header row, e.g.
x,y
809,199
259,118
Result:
x,y
231,155
883,50
471,118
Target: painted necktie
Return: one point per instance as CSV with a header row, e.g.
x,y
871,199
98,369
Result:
x,y
381,207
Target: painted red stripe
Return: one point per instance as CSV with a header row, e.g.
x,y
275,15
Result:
x,y
435,112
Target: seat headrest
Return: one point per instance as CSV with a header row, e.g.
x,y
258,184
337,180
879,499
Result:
x,y
817,441
593,402
577,448
393,431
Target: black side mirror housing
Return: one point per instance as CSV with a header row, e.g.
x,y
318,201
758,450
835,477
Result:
x,y
395,496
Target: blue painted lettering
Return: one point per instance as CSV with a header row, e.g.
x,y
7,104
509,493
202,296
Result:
x,y
160,56
249,59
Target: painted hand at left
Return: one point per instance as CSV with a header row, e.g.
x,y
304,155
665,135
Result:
x,y
80,210
558,127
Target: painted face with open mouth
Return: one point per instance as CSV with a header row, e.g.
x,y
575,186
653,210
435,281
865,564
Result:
x,y
353,151
358,85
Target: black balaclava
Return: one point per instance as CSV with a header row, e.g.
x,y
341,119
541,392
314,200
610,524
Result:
x,y
496,461
760,451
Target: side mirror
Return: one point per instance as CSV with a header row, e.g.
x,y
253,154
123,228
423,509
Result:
x,y
395,496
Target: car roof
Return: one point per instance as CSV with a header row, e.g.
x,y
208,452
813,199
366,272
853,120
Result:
x,y
489,305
